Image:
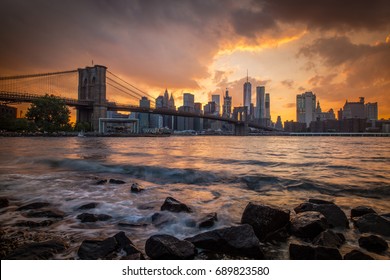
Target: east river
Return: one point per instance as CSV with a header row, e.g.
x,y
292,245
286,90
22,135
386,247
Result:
x,y
210,174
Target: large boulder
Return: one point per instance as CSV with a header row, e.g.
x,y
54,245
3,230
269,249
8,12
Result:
x,y
264,219
167,247
4,202
109,248
234,241
37,250
308,224
305,252
330,239
91,218
360,211
373,243
357,255
208,220
373,223
333,214
173,205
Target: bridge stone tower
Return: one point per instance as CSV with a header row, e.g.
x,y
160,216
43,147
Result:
x,y
92,88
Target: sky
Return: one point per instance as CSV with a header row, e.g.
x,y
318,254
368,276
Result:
x,y
339,49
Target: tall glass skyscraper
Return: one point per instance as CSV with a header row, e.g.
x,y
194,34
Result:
x,y
247,95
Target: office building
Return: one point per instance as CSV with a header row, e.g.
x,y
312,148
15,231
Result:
x,y
306,107
267,109
247,95
227,105
371,111
260,103
216,99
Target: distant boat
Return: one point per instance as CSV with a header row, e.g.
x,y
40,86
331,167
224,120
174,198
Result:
x,y
81,134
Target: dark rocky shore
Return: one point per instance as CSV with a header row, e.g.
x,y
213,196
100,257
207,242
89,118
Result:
x,y
314,230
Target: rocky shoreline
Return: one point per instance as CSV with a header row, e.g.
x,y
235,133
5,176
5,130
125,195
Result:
x,y
314,230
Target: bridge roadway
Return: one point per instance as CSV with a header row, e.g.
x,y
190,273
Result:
x,y
14,97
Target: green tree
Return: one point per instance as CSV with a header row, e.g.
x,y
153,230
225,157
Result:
x,y
50,114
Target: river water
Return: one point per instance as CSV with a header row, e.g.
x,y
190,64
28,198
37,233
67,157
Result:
x,y
210,174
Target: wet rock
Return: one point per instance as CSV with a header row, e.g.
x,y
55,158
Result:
x,y
132,224
34,205
117,182
46,213
360,211
190,222
305,252
333,214
208,221
357,255
4,202
90,218
160,219
136,188
236,241
330,239
32,224
167,247
173,205
101,182
373,223
265,220
37,251
308,224
108,248
91,205
373,243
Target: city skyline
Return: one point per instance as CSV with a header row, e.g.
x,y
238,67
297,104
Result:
x,y
204,48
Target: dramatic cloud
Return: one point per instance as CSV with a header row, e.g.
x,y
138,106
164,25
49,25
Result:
x,y
174,44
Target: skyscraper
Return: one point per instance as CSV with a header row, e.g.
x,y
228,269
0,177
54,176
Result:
x,y
268,109
188,100
227,105
165,99
371,110
144,118
247,94
216,98
306,108
260,102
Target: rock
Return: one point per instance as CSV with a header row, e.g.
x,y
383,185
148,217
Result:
x,y
360,211
108,248
333,214
132,224
308,224
34,205
373,223
357,255
190,223
236,241
136,188
101,182
4,202
265,220
373,243
117,182
160,219
32,224
173,205
91,205
330,239
305,252
167,247
90,218
208,221
37,251
46,213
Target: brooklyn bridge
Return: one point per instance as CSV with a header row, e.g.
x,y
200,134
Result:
x,y
92,91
